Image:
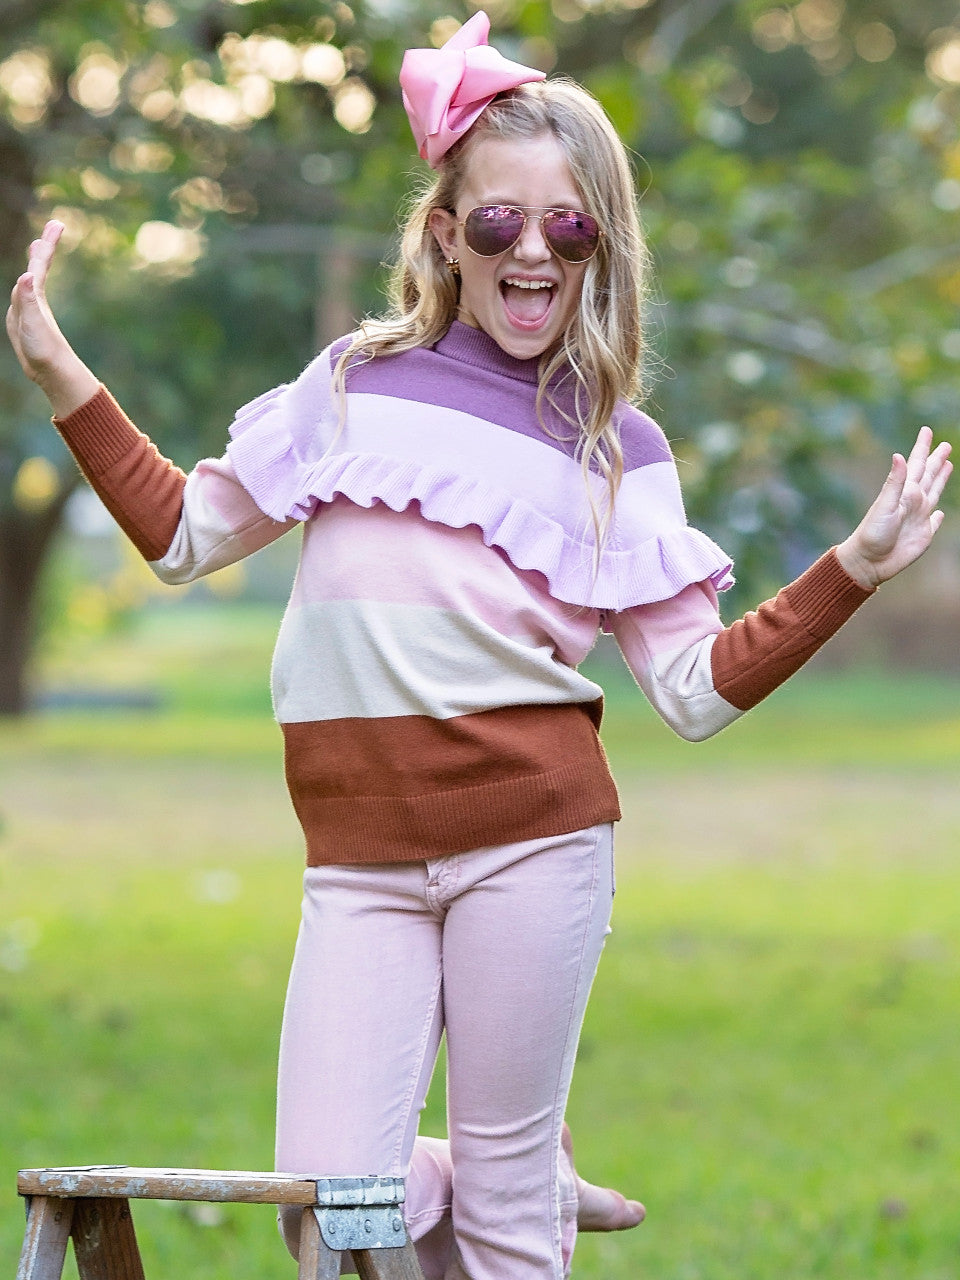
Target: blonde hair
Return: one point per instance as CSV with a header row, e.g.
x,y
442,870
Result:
x,y
603,344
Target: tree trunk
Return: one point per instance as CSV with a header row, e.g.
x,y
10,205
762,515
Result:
x,y
25,540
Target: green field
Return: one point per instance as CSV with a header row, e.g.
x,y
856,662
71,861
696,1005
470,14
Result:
x,y
771,1057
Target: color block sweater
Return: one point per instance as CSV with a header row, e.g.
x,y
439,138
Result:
x,y
426,671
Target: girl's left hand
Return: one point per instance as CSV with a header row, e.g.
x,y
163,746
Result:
x,y
901,523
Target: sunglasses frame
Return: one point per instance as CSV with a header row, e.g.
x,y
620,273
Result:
x,y
538,212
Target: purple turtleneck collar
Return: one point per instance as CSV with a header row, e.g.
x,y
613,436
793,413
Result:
x,y
476,347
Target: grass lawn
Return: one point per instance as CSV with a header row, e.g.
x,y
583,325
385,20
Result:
x,y
771,1055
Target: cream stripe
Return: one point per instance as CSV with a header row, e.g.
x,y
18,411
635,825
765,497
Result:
x,y
368,659
680,686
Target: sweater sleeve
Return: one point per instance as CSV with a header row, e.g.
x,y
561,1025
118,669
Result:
x,y
700,675
184,525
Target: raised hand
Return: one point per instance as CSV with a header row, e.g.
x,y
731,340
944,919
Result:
x,y
45,355
901,523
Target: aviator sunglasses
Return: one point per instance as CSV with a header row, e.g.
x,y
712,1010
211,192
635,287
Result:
x,y
492,229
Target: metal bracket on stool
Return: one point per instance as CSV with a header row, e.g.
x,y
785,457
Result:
x,y
360,1213
361,1217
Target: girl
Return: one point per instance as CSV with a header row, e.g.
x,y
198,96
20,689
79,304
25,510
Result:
x,y
477,498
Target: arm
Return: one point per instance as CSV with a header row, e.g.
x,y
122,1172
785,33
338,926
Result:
x,y
185,526
701,675
44,353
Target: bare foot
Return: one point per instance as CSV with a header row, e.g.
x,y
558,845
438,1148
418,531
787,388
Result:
x,y
601,1208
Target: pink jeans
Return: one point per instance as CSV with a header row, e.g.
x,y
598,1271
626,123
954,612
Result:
x,y
497,948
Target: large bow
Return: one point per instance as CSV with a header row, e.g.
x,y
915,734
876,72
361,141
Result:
x,y
444,90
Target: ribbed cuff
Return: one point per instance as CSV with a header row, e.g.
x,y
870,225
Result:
x,y
99,433
825,596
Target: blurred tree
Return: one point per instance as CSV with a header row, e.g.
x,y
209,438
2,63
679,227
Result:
x,y
198,155
228,174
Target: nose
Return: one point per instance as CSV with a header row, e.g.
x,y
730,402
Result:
x,y
532,246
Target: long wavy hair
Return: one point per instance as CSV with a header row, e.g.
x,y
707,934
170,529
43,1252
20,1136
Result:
x,y
603,347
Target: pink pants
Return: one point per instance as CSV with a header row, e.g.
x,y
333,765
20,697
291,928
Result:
x,y
496,947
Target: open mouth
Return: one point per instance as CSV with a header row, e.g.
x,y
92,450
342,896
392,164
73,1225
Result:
x,y
527,302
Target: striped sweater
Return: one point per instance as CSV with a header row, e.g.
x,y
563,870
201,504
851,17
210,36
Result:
x,y
426,671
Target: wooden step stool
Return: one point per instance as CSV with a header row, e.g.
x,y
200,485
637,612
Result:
x,y
90,1205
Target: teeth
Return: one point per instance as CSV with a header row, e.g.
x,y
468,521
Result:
x,y
531,284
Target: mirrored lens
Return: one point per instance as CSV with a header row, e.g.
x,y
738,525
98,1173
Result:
x,y
492,229
572,235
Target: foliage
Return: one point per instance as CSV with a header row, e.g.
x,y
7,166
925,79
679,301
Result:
x,y
228,174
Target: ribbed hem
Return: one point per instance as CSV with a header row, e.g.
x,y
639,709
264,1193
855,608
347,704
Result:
x,y
825,597
99,432
412,828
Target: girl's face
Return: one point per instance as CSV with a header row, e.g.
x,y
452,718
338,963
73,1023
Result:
x,y
525,297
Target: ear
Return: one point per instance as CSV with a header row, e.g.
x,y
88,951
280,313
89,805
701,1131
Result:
x,y
443,224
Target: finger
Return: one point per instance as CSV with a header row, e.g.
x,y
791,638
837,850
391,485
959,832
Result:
x,y
24,291
42,251
891,492
939,483
934,468
936,520
917,460
18,295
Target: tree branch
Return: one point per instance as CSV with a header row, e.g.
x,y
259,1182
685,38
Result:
x,y
763,330
676,28
898,268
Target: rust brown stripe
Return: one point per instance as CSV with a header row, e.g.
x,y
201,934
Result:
x,y
141,489
405,788
755,655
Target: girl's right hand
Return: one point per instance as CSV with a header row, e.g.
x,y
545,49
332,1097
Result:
x,y
44,353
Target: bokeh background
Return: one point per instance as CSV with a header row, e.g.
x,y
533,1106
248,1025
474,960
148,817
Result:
x,y
771,1056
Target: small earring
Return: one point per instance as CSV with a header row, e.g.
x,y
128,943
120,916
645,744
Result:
x,y
453,266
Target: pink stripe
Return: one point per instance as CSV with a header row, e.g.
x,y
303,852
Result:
x,y
649,631
358,553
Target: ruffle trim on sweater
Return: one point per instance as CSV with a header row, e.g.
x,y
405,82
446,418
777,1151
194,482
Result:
x,y
287,486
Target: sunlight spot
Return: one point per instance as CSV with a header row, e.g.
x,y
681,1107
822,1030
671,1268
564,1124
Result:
x,y
323,64
746,367
943,63
875,42
441,30
35,485
718,440
946,195
97,185
774,30
219,887
257,95
354,106
161,243
95,84
16,942
158,14
740,273
138,155
683,235
26,81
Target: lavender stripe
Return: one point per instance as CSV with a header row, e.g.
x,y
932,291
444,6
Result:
x,y
497,394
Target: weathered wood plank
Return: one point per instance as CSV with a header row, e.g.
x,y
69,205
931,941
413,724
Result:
x,y
104,1241
317,1260
45,1240
388,1264
130,1182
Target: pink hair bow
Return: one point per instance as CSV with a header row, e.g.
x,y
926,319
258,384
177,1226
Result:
x,y
444,90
